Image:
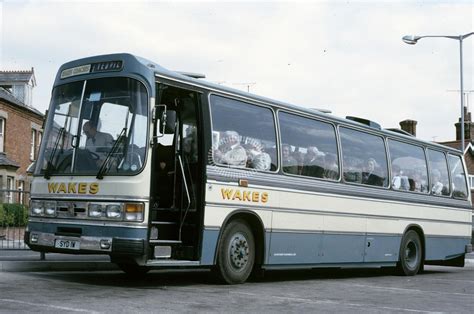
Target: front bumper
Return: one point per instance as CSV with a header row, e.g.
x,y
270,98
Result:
x,y
87,244
45,242
88,239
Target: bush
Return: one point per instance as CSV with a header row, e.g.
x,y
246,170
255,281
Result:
x,y
13,215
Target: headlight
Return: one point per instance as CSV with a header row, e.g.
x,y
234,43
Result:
x,y
36,208
134,211
114,211
96,211
50,209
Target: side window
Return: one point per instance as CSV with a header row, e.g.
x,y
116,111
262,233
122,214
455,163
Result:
x,y
438,173
243,135
364,158
409,171
309,147
458,176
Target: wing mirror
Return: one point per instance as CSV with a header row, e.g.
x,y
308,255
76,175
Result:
x,y
164,122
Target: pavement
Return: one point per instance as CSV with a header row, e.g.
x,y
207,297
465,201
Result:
x,y
27,260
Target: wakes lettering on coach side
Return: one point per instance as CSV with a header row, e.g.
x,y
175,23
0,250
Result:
x,y
73,187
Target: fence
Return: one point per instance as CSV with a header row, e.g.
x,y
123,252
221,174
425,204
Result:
x,y
13,219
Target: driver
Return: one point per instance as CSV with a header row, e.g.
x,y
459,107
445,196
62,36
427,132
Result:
x,y
96,138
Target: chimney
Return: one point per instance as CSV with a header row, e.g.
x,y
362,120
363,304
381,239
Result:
x,y
468,127
409,126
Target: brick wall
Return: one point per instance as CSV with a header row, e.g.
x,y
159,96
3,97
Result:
x,y
17,137
469,159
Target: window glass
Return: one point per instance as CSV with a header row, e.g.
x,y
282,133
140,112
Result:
x,y
364,158
309,147
243,135
62,128
33,145
21,188
9,192
114,126
409,171
38,141
2,126
109,132
438,173
458,176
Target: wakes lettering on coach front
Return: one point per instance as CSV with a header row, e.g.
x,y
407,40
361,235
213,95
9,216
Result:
x,y
111,187
73,187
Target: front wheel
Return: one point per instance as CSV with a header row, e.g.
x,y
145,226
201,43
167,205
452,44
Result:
x,y
236,254
133,270
411,256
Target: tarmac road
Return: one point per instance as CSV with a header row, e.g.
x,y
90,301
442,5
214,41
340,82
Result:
x,y
438,289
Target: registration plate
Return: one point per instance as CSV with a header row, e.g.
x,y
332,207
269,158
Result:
x,y
67,244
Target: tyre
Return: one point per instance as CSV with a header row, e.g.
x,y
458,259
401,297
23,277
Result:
x,y
133,270
236,253
411,254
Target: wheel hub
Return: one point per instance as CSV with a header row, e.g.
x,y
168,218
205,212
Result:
x,y
411,254
239,251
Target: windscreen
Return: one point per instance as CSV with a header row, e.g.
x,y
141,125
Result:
x,y
98,127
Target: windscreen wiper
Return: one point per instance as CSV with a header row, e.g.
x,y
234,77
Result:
x,y
106,164
49,166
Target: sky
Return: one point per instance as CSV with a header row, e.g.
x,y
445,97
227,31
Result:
x,y
344,56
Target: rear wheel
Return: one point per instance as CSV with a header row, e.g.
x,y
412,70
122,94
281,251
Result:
x,y
411,254
236,254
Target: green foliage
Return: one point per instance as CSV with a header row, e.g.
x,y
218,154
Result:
x,y
13,215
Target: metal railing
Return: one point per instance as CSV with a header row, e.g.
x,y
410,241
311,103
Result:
x,y
13,219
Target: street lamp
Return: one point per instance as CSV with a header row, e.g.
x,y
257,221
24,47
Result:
x,y
411,40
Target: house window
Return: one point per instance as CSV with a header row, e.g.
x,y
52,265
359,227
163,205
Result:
x,y
38,142
21,188
8,88
2,132
9,192
471,181
33,145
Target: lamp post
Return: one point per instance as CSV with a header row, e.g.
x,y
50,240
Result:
x,y
411,40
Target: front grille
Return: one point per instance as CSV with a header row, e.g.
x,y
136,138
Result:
x,y
71,209
69,231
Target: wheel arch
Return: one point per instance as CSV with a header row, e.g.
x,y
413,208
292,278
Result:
x,y
257,227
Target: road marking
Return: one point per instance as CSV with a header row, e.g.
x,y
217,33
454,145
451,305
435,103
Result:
x,y
323,301
48,305
455,280
411,290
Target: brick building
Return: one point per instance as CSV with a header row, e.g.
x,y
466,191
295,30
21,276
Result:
x,y
20,133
